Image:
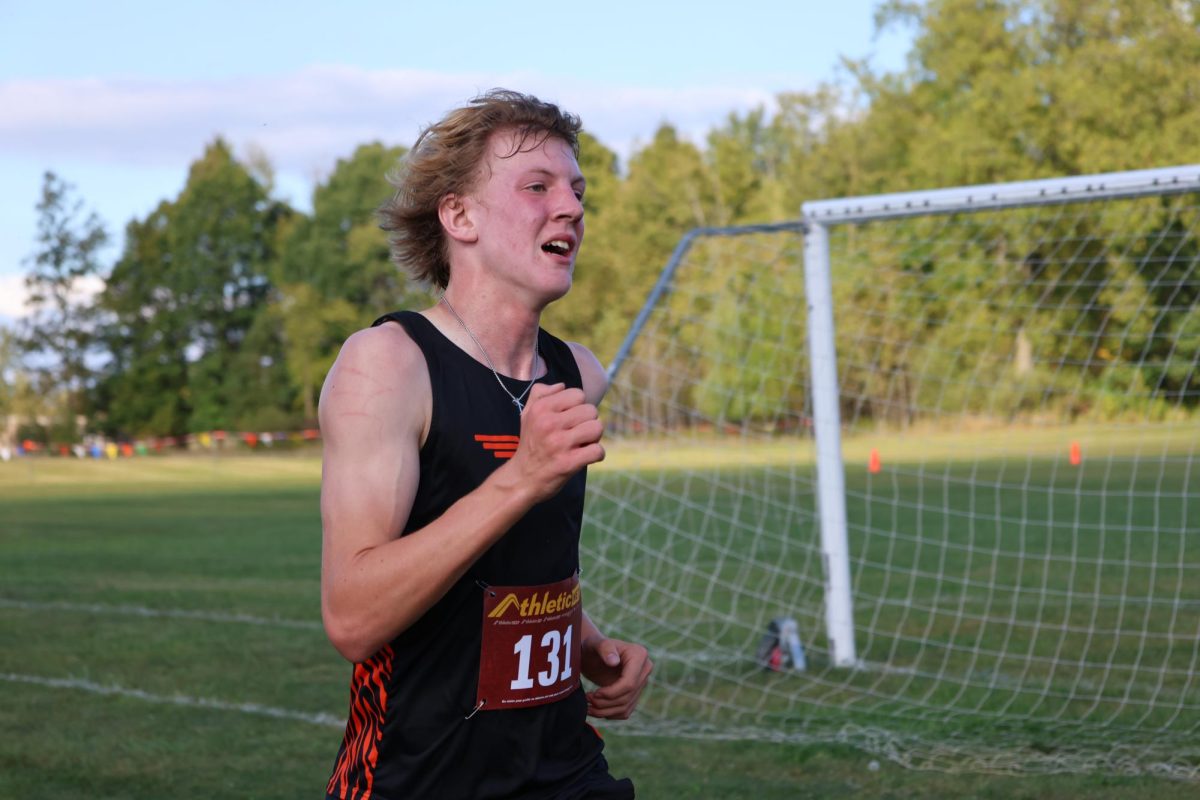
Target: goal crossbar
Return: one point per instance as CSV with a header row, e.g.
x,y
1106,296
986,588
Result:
x,y
982,197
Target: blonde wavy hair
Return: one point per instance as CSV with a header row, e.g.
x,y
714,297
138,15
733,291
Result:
x,y
446,160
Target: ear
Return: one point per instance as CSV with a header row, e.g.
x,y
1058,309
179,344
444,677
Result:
x,y
455,216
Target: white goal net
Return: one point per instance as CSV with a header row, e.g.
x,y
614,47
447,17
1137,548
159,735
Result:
x,y
1018,386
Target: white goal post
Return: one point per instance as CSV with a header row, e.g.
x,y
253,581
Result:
x,y
819,216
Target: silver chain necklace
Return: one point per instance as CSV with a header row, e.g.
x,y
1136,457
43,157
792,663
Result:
x,y
518,401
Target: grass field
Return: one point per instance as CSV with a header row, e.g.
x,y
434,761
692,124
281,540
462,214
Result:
x,y
161,636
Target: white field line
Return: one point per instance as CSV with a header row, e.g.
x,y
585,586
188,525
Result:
x,y
174,613
327,720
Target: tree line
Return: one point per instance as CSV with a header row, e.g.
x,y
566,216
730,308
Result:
x,y
226,306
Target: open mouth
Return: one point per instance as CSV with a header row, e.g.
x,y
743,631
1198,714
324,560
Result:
x,y
557,247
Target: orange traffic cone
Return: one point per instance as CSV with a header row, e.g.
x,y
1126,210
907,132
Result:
x,y
873,465
1076,456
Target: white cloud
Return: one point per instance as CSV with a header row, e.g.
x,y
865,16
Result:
x,y
12,297
306,119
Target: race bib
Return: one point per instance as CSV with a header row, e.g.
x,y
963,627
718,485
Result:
x,y
530,650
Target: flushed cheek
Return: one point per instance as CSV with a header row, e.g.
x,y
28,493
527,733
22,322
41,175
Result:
x,y
513,240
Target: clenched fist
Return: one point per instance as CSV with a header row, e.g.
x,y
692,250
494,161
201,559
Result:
x,y
560,434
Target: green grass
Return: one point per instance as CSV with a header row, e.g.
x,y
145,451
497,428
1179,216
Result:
x,y
185,581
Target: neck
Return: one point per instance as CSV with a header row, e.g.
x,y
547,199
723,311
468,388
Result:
x,y
503,334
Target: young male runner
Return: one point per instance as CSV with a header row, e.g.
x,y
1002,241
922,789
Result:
x,y
456,446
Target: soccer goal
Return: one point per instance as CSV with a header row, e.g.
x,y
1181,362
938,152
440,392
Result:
x,y
952,436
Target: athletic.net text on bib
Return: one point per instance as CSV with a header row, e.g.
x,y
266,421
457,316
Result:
x,y
530,650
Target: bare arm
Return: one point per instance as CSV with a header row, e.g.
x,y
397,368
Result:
x,y
374,412
592,372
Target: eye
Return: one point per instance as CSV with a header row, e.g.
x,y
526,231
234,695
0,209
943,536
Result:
x,y
536,187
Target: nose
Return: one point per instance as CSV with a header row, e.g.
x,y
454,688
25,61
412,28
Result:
x,y
569,206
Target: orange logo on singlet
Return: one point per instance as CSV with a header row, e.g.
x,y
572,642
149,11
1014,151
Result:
x,y
500,446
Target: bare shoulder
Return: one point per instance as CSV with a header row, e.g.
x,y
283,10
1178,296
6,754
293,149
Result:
x,y
380,379
595,378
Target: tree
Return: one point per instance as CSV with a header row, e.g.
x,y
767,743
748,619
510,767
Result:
x,y
185,297
222,239
59,330
143,389
668,192
312,331
1000,90
340,251
745,156
8,371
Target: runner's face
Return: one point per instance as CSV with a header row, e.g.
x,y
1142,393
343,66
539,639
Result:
x,y
529,213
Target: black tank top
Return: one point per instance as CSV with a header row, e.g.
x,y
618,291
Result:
x,y
411,732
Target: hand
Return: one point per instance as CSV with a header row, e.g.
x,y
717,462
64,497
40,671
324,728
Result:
x,y
620,671
560,434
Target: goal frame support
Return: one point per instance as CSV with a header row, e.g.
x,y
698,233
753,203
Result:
x,y
827,431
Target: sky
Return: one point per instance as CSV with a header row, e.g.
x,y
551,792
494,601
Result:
x,y
118,98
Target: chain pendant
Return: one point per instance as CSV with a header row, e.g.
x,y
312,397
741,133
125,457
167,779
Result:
x,y
517,401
